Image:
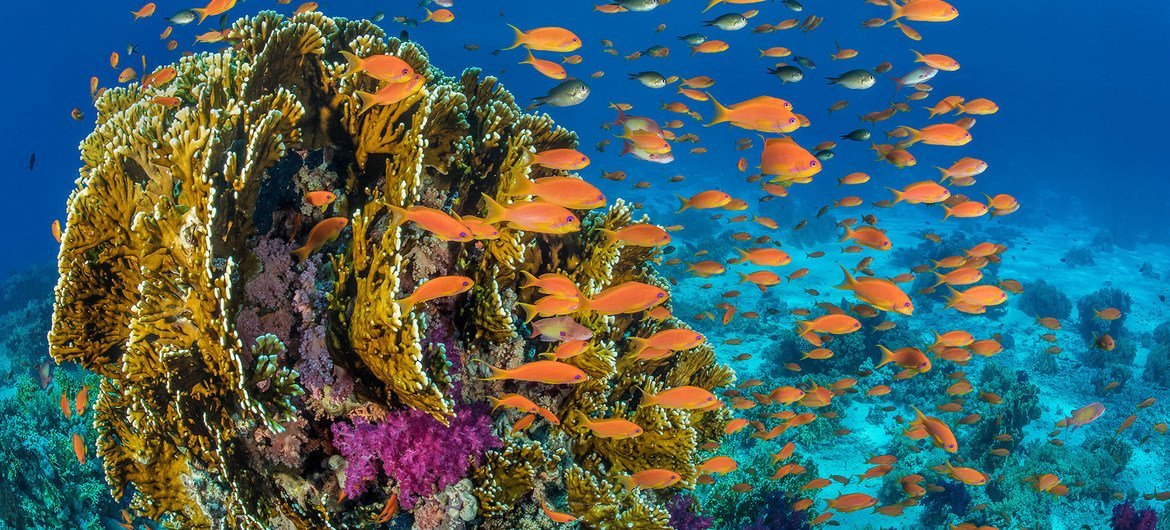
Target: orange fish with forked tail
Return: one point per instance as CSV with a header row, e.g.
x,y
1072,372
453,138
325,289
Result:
x,y
386,68
433,288
629,297
650,479
533,216
390,94
548,39
880,293
322,233
682,397
214,7
437,222
548,372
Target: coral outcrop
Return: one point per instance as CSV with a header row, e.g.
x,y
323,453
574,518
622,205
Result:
x,y
236,381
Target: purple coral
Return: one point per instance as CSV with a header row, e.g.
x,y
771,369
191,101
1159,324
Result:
x,y
684,514
414,449
1126,517
776,513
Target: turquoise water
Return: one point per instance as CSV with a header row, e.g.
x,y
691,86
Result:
x,y
1076,141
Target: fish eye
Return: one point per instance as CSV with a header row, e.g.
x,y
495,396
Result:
x,y
814,162
576,377
462,234
569,218
709,398
465,284
791,120
660,295
405,71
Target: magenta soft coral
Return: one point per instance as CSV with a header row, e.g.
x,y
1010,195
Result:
x,y
422,455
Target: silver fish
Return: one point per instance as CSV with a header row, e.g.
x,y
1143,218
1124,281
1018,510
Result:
x,y
793,5
566,94
857,135
694,39
854,79
787,73
185,16
650,79
918,75
638,5
729,22
640,154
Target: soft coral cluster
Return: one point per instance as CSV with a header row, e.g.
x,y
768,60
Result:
x,y
422,455
1126,517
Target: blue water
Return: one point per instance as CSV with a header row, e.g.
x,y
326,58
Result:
x,y
1079,140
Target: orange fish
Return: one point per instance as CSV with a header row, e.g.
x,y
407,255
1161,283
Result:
x,y
879,293
650,479
937,61
704,200
548,372
441,16
322,233
79,448
480,229
386,68
320,199
788,161
965,210
305,8
390,94
764,113
552,284
562,159
641,235
682,397
214,7
55,228
923,11
534,216
66,405
944,134
144,11
629,297
437,222
615,428
938,431
836,324
514,401
440,287
925,192
851,502
556,517
548,69
81,401
569,192
670,339
549,39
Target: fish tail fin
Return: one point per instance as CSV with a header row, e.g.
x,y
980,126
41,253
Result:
x,y
368,100
519,35
202,14
955,297
948,214
898,195
941,280
529,280
683,203
611,237
914,136
398,216
803,327
945,174
353,63
640,344
530,311
849,234
497,373
495,211
742,277
627,484
711,4
887,356
848,283
405,304
932,112
918,58
721,112
522,186
989,203
430,15
495,403
301,254
647,398
895,11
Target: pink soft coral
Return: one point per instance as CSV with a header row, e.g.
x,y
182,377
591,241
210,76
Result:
x,y
414,449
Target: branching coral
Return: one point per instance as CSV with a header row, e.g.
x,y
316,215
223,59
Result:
x,y
177,288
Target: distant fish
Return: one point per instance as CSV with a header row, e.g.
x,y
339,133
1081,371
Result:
x,y
183,17
32,161
854,79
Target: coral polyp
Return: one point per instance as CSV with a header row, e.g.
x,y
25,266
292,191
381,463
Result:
x,y
236,380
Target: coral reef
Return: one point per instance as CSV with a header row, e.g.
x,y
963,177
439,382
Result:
x,y
1078,257
1090,326
1042,300
242,387
684,513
